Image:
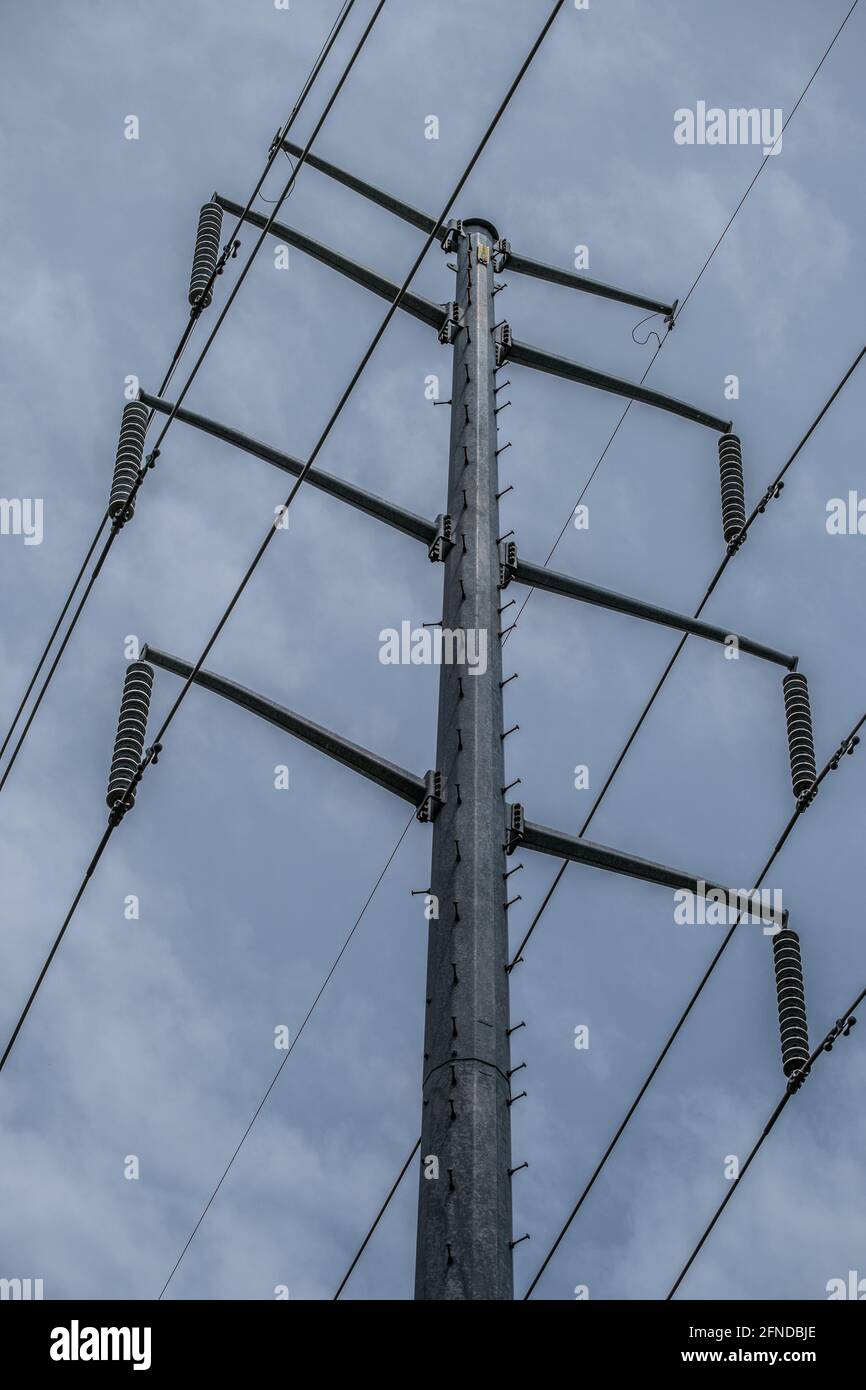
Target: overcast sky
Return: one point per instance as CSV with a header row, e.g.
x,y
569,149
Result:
x,y
154,1037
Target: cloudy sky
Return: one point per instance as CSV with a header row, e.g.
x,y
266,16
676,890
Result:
x,y
154,1037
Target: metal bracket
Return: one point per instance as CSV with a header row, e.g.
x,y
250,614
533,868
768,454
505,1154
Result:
x,y
515,828
452,324
504,342
444,541
453,233
502,250
507,562
434,797
539,577
525,355
847,747
773,492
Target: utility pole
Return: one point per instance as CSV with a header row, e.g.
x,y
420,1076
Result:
x,y
464,1239
464,1213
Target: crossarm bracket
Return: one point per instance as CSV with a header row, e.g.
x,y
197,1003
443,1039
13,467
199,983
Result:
x,y
539,577
528,835
524,355
411,303
524,265
379,507
424,792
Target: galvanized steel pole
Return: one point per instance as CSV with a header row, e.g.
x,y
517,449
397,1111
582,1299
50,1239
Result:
x,y
464,1209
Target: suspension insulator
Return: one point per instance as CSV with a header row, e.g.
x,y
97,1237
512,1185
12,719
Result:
x,y
131,731
801,744
793,1030
733,492
206,254
130,450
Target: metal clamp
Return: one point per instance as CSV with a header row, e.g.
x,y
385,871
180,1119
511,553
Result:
x,y
507,562
841,1029
443,540
452,324
515,828
434,797
774,491
453,233
502,250
847,747
504,343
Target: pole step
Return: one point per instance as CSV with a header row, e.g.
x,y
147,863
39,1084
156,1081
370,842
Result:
x,y
733,491
205,255
791,995
130,449
801,743
131,731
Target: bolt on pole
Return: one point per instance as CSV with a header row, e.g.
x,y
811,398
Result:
x,y
464,1213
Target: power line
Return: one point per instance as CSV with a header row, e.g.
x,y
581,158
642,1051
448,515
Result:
x,y
802,805
152,753
381,1212
305,471
830,766
154,454
88,873
679,308
358,372
760,507
54,631
178,354
103,556
126,801
166,381
263,547
332,420
840,1029
767,156
289,1052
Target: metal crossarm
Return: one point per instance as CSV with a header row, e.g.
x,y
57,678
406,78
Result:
x,y
419,528
521,354
422,220
465,1239
547,841
508,259
411,303
402,520
538,270
538,577
524,355
386,774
